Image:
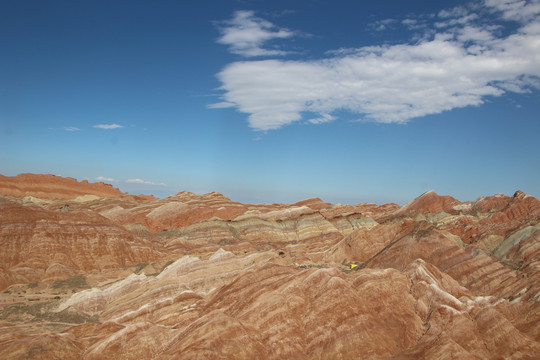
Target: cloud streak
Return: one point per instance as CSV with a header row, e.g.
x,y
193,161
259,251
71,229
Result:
x,y
108,126
129,181
143,182
460,62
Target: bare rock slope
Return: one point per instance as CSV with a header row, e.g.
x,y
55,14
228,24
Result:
x,y
86,274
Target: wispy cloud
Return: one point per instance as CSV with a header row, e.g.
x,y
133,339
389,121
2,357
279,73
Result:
x,y
108,126
129,181
139,181
245,34
323,119
381,25
221,105
102,178
412,24
66,128
461,60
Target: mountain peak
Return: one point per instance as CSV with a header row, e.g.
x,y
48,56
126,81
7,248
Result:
x,y
430,202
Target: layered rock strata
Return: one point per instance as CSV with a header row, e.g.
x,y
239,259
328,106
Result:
x,y
115,276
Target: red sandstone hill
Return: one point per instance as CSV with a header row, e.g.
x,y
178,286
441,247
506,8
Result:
x,y
53,187
201,276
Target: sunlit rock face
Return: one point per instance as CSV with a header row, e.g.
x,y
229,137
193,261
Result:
x,y
51,187
88,272
39,244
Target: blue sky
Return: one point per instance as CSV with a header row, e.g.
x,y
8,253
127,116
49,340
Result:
x,y
275,101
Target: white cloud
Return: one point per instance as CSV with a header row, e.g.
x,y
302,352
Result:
x,y
459,66
476,34
517,10
245,34
139,181
102,178
108,126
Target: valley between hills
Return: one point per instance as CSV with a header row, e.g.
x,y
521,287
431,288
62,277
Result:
x,y
90,272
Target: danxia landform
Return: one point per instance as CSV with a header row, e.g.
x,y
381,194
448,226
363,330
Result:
x,y
90,272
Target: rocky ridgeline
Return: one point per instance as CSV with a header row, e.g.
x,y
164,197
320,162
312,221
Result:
x,y
89,272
